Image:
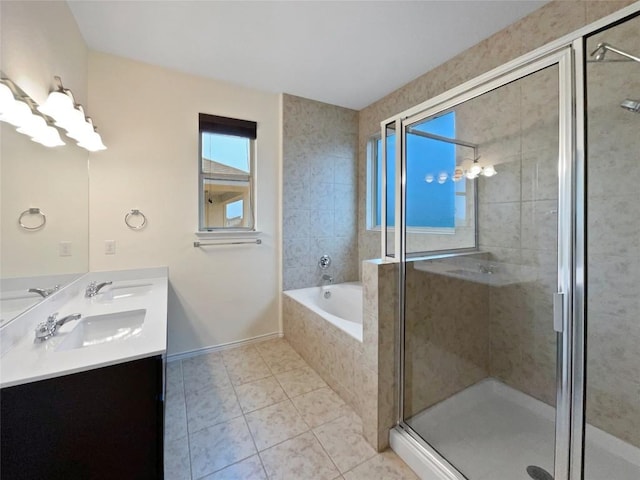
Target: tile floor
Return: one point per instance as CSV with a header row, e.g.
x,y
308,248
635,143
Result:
x,y
260,412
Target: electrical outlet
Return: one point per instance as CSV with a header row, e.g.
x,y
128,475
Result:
x,y
109,247
64,249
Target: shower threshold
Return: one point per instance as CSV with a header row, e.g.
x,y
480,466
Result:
x,y
491,431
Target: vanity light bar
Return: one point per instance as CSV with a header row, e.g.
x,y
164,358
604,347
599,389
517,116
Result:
x,y
60,105
16,108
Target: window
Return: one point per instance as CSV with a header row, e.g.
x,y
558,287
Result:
x,y
227,158
435,203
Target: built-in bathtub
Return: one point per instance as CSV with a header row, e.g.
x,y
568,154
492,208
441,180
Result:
x,y
340,305
327,333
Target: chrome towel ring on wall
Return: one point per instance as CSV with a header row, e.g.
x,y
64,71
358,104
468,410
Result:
x,y
135,213
32,211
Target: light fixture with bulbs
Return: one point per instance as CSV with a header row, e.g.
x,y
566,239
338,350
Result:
x,y
60,105
471,172
17,109
476,170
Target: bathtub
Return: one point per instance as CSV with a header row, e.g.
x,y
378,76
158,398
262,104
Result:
x,y
342,307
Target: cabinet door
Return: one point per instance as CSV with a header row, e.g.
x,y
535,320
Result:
x,y
99,424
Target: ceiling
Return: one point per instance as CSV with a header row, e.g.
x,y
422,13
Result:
x,y
347,53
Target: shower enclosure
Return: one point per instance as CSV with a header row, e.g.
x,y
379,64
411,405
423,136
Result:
x,y
511,206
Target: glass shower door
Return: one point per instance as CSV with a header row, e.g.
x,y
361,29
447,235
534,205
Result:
x,y
481,189
612,433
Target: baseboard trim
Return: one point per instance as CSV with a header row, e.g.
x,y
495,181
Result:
x,y
225,346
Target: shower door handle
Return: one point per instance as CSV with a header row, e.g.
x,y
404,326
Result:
x,y
558,312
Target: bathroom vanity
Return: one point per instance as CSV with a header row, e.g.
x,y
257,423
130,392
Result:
x,y
87,402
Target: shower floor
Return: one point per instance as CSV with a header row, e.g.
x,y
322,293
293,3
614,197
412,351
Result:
x,y
490,431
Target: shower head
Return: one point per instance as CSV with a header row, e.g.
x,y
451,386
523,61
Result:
x,y
631,105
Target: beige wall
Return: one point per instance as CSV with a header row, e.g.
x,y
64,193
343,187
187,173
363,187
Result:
x,y
149,121
319,191
40,40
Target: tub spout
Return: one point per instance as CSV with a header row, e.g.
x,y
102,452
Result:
x,y
327,278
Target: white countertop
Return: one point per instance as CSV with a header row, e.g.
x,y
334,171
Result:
x,y
24,360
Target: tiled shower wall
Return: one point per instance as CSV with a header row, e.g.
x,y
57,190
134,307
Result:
x,y
613,223
516,127
319,192
517,214
447,349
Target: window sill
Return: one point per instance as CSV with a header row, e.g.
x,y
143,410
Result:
x,y
420,230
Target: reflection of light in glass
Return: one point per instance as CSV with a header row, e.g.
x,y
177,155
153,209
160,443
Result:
x,y
429,178
475,170
489,171
471,176
458,173
442,177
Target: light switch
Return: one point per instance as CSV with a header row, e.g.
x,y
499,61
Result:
x,y
109,247
64,249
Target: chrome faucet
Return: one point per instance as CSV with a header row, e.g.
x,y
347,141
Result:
x,y
327,278
94,288
44,292
48,328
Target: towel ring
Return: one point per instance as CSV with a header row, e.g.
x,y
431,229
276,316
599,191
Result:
x,y
33,211
135,212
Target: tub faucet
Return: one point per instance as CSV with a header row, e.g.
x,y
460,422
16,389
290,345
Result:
x,y
327,278
94,288
44,292
48,328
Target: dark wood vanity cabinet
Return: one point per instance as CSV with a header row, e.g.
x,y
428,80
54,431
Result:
x,y
105,423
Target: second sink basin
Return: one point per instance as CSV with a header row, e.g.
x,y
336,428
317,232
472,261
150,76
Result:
x,y
99,329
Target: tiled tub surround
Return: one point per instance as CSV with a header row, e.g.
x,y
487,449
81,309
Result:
x,y
362,373
319,192
260,412
334,354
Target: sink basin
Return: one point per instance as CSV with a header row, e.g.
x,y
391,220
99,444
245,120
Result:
x,y
117,292
98,329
